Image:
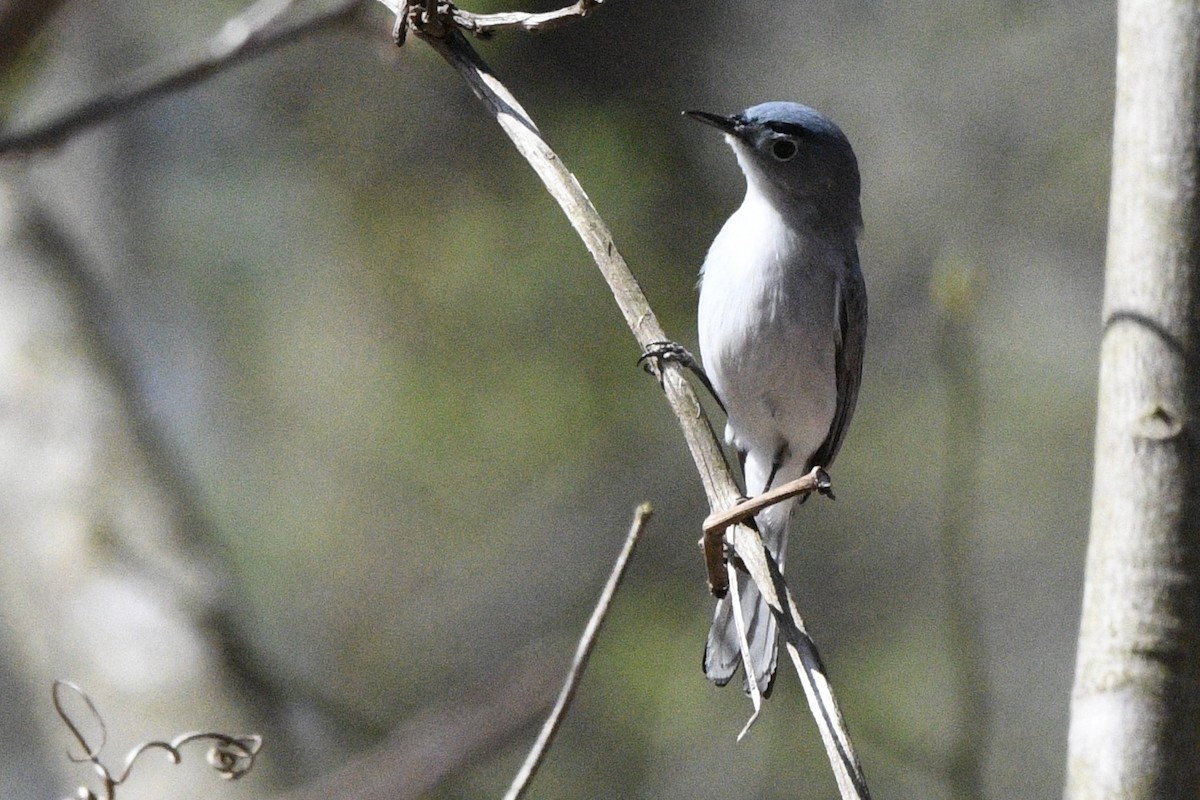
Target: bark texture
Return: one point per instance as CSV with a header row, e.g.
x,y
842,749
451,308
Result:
x,y
1135,712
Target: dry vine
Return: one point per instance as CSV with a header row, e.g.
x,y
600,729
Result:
x,y
231,756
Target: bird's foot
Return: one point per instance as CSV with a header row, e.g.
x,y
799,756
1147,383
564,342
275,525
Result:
x,y
658,353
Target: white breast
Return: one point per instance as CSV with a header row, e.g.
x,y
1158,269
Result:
x,y
767,340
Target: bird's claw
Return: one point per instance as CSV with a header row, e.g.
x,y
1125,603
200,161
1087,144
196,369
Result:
x,y
824,484
656,353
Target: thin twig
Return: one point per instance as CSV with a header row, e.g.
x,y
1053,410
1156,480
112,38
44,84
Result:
x,y
718,482
250,33
582,652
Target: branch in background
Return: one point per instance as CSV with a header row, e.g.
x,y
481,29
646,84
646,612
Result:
x,y
251,33
419,754
20,21
719,486
582,652
444,738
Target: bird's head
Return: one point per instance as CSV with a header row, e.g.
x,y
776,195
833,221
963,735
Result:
x,y
796,156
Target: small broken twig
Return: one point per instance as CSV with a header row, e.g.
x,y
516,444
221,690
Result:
x,y
815,481
712,543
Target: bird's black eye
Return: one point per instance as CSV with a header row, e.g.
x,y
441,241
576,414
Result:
x,y
783,149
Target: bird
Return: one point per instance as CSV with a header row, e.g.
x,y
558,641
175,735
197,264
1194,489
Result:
x,y
782,325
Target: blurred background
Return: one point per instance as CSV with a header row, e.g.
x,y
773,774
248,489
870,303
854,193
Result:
x,y
316,418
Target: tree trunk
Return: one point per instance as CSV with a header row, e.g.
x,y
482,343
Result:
x,y
1135,710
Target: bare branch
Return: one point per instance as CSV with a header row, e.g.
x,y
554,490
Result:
x,y
253,32
718,482
446,736
582,652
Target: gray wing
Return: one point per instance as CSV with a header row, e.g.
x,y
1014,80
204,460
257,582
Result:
x,y
850,320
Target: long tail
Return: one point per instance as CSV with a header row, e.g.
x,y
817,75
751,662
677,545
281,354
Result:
x,y
722,654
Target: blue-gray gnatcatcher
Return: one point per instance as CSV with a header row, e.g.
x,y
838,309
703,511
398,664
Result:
x,y
783,322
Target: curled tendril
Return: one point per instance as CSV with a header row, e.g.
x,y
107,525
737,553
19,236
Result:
x,y
231,756
234,758
89,753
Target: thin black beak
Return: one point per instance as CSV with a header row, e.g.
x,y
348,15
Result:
x,y
726,124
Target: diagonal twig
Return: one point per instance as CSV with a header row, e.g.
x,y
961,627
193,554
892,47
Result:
x,y
255,31
582,652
